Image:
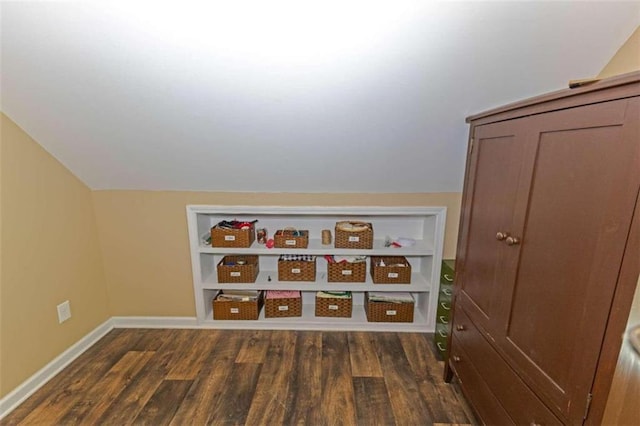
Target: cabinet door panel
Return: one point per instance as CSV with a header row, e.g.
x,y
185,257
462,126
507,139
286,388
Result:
x,y
581,191
492,178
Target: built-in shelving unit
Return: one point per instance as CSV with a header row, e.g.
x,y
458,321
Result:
x,y
423,224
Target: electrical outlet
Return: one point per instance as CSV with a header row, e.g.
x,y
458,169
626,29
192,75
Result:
x,y
64,311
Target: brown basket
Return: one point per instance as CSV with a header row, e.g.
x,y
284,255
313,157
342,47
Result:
x,y
387,311
296,270
222,237
280,308
347,272
291,239
230,272
328,307
390,274
354,240
237,310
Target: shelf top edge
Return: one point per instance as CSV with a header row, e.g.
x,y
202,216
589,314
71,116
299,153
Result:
x,y
317,210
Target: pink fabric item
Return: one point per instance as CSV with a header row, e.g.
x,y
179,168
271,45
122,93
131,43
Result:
x,y
282,294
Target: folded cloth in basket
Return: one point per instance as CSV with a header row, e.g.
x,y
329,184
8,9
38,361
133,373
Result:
x,y
334,294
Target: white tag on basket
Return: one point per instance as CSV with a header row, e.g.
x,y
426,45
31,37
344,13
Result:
x,y
391,313
235,274
283,308
347,272
392,275
354,239
333,307
290,242
295,270
234,310
229,237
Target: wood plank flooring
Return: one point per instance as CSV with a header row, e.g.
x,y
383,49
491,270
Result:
x,y
231,377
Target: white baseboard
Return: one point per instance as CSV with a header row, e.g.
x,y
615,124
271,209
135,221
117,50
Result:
x,y
35,382
155,322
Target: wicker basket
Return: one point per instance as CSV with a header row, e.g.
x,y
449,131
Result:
x,y
390,274
296,270
388,311
345,272
281,308
223,237
229,271
333,307
291,239
354,239
237,310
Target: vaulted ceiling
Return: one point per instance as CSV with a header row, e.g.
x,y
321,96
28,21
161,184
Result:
x,y
273,96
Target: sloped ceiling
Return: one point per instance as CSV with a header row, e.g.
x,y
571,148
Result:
x,y
286,96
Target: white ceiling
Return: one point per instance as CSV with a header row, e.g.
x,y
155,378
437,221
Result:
x,y
274,96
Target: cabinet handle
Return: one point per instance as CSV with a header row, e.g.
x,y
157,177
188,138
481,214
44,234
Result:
x,y
535,424
447,278
443,319
447,292
512,241
456,358
460,327
439,345
501,236
442,333
445,307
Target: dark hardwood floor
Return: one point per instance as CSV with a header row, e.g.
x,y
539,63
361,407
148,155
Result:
x,y
231,377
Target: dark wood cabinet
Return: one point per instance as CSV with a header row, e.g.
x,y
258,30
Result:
x,y
551,187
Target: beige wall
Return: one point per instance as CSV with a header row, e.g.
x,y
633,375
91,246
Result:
x,y
626,59
145,245
50,254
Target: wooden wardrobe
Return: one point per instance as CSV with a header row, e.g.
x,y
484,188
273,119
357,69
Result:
x,y
548,254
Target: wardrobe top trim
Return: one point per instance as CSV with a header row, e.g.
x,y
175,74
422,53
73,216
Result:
x,y
622,86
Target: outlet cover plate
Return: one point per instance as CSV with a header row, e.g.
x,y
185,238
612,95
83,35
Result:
x,y
64,311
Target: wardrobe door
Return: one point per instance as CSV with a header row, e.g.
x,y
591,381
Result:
x,y
572,217
492,181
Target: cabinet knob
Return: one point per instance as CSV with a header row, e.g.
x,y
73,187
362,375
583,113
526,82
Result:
x,y
460,327
456,358
501,236
512,241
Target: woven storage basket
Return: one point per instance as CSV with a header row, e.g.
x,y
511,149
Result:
x,y
237,310
354,239
346,272
388,311
230,272
223,237
390,274
330,307
280,308
296,270
291,239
